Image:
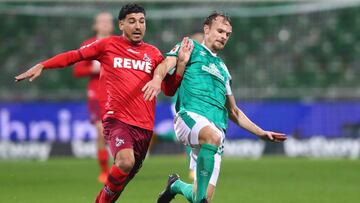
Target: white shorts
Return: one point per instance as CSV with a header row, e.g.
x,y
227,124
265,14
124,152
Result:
x,y
187,127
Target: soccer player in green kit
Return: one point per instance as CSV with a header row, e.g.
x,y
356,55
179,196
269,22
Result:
x,y
204,104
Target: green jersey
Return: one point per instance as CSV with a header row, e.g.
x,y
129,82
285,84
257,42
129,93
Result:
x,y
205,84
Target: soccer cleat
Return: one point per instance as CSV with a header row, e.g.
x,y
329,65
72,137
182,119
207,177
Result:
x,y
204,201
166,196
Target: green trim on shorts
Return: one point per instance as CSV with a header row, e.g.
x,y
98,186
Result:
x,y
187,119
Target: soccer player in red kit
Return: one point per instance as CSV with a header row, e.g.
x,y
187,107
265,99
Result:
x,y
103,27
127,64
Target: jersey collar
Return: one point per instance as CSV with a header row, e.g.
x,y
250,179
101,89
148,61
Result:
x,y
212,53
130,43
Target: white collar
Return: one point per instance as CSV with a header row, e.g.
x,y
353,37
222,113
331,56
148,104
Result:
x,y
212,53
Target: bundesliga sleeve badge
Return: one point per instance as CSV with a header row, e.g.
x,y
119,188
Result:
x,y
175,49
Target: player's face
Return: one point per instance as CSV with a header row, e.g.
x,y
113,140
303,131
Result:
x,y
133,27
103,24
217,35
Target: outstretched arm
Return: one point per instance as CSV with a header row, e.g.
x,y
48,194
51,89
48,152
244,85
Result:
x,y
60,60
32,73
171,82
88,52
153,87
238,117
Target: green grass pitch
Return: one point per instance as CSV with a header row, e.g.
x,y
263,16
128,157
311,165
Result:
x,y
267,180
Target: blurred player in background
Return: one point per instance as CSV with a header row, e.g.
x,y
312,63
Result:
x,y
103,27
127,64
204,104
198,36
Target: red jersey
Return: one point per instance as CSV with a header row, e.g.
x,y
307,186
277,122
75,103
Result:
x,y
84,69
96,98
125,69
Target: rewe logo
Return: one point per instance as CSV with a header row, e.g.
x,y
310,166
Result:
x,y
132,64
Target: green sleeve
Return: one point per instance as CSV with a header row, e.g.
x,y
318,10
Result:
x,y
174,51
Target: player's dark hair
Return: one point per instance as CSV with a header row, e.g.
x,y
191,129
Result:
x,y
209,20
130,8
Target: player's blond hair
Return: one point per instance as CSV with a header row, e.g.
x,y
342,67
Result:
x,y
212,17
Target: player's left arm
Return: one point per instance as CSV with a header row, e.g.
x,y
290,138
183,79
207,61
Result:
x,y
153,87
171,82
239,117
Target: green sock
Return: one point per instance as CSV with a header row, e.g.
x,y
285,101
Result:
x,y
180,187
204,169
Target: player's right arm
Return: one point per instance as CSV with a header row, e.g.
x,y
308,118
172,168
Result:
x,y
60,60
88,52
86,68
32,73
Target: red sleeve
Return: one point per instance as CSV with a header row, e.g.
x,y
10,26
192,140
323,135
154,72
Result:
x,y
84,68
89,52
170,84
159,59
63,59
158,56
94,50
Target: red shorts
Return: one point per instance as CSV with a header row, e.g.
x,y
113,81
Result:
x,y
120,135
94,110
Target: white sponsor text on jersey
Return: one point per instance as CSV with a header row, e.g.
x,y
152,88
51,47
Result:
x,y
132,64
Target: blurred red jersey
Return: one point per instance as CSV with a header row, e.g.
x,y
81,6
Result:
x,y
84,69
96,98
125,69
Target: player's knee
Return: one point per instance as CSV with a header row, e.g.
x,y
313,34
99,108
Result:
x,y
213,139
125,163
208,135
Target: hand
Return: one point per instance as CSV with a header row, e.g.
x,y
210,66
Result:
x,y
185,51
273,136
32,73
95,67
152,88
